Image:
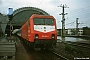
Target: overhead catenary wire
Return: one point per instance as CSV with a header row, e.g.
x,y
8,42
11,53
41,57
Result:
x,y
70,23
80,12
39,3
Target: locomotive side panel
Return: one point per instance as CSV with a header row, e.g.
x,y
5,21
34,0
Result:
x,y
24,31
30,30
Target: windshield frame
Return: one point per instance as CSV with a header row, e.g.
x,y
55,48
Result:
x,y
43,21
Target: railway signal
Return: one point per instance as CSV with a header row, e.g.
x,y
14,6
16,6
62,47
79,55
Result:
x,y
10,16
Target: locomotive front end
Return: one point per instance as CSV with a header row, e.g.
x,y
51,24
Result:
x,y
45,32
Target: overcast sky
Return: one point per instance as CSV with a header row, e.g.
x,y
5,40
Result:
x,y
77,9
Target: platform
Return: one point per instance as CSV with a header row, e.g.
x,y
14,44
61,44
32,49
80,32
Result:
x,y
21,54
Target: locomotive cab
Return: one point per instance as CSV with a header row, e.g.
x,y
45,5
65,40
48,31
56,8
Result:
x,y
44,30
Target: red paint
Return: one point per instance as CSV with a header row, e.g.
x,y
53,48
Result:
x,y
28,32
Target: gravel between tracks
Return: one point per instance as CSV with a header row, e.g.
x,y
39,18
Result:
x,y
72,52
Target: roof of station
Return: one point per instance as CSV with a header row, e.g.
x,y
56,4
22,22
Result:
x,y
1,17
22,14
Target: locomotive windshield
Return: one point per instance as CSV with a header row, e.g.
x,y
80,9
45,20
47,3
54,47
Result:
x,y
43,21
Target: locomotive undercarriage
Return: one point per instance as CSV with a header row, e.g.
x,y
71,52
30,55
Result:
x,y
42,44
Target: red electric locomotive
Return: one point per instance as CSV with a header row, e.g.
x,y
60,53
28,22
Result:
x,y
40,30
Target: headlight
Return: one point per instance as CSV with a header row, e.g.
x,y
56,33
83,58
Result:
x,y
36,36
53,36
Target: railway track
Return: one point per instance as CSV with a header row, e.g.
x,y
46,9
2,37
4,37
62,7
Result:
x,y
61,56
73,49
79,44
43,54
47,54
